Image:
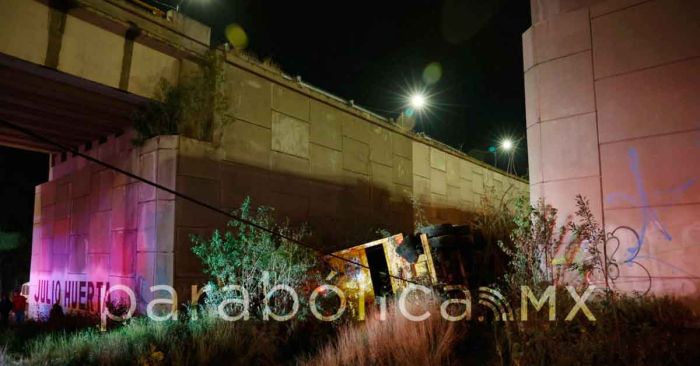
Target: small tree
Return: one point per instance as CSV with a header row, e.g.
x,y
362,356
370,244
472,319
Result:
x,y
589,236
188,108
535,241
256,259
541,253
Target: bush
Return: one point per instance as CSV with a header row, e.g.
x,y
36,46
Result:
x,y
629,329
533,244
542,254
188,108
256,259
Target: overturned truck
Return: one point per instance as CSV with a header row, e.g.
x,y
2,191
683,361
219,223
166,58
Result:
x,y
435,256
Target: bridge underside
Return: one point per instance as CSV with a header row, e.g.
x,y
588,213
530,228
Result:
x,y
66,109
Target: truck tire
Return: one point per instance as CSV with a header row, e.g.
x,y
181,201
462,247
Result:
x,y
436,230
461,230
442,241
465,240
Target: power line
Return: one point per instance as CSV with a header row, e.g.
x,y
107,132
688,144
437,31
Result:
x,y
186,197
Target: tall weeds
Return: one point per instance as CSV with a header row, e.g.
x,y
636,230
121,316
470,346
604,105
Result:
x,y
393,341
492,223
207,341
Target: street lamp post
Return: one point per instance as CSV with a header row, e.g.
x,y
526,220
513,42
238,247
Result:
x,y
509,146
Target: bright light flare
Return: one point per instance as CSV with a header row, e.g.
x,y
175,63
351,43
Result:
x,y
417,101
507,144
236,36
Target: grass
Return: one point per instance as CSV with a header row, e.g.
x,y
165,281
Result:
x,y
15,339
393,341
206,341
633,330
146,342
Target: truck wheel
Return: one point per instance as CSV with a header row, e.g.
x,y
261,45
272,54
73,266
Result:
x,y
442,241
436,230
461,230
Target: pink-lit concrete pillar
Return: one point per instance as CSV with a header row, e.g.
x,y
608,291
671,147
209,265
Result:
x,y
561,110
95,228
612,98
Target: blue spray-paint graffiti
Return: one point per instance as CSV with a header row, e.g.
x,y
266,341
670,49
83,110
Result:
x,y
649,215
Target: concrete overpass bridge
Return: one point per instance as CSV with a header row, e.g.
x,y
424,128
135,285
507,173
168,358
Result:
x,y
70,110
73,72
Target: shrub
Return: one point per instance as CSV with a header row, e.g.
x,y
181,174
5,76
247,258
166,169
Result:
x,y
534,242
188,108
542,254
629,329
256,259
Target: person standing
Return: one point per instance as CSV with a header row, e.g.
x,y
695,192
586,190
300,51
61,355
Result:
x,y
5,308
56,313
19,306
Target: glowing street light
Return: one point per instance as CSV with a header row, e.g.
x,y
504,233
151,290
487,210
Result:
x,y
506,144
417,101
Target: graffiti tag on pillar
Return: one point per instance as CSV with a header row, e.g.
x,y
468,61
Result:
x,y
612,264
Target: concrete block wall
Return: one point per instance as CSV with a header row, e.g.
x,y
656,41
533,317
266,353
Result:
x,y
612,113
31,16
320,162
94,226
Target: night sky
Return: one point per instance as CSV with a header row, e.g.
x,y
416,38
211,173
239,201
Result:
x,y
20,172
374,52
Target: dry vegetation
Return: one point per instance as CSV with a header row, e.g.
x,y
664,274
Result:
x,y
394,341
